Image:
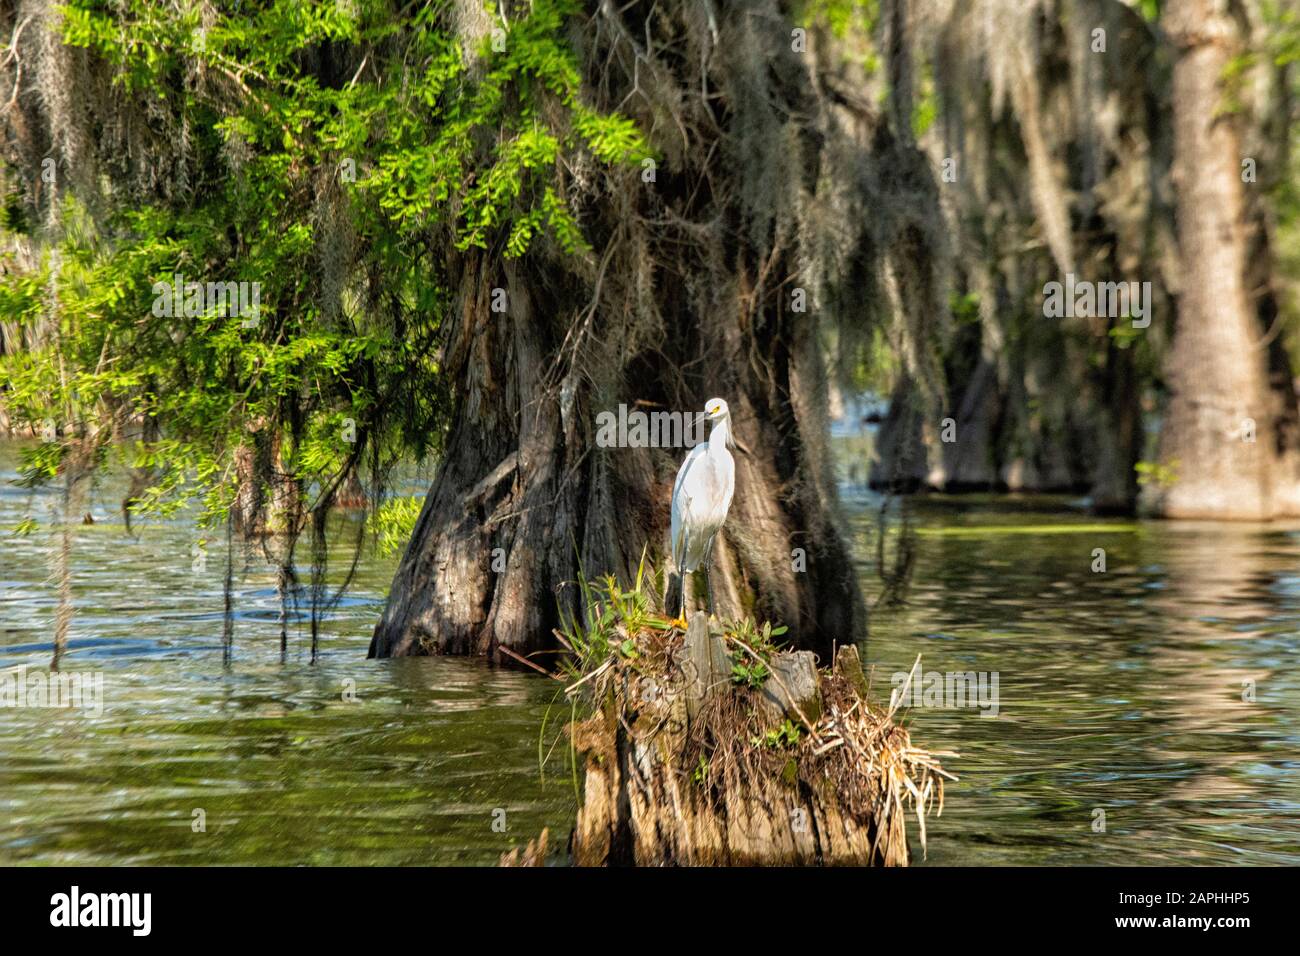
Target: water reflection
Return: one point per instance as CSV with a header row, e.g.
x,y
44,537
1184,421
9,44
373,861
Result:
x,y
1120,691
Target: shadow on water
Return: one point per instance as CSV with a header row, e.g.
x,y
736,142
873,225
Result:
x,y
1127,691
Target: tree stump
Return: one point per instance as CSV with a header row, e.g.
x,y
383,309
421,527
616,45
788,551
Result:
x,y
688,767
533,854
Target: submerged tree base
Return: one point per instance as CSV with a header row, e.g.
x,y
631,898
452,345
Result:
x,y
712,748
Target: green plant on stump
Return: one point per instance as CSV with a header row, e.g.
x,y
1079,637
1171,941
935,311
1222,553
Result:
x,y
752,651
688,730
787,735
610,619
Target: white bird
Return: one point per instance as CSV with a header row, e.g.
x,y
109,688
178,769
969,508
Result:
x,y
701,498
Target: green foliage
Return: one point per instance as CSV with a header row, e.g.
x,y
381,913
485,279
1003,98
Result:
x,y
394,521
925,109
787,735
965,308
750,662
1156,474
13,215
700,775
25,527
510,187
1283,21
608,619
346,183
1150,10
1125,335
748,672
879,365
842,18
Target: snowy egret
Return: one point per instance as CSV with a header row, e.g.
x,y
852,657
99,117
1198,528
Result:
x,y
701,497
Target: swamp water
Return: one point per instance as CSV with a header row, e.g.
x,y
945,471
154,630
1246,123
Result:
x,y
1119,691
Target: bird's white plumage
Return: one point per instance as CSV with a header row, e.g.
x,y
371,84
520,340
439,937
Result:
x,y
702,492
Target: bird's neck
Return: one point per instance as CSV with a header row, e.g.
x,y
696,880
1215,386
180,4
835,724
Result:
x,y
720,437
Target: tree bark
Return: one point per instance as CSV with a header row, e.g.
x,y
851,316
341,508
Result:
x,y
686,295
1217,440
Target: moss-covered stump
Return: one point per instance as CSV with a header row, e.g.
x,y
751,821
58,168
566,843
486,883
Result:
x,y
713,748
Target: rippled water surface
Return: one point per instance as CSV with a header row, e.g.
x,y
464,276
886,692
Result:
x,y
1119,691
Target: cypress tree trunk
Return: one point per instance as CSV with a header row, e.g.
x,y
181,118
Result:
x,y
524,491
688,293
1217,438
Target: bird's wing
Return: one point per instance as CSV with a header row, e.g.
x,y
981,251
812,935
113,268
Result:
x,y
681,504
682,496
727,483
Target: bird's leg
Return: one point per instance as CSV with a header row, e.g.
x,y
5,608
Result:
x,y
680,619
708,572
680,547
